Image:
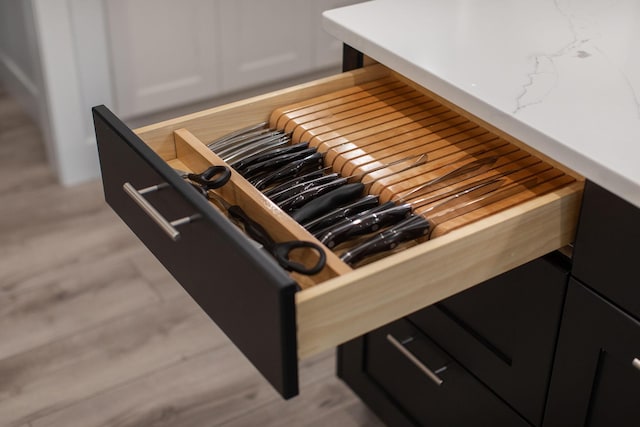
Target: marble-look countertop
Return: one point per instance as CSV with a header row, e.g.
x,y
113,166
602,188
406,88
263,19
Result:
x,y
563,76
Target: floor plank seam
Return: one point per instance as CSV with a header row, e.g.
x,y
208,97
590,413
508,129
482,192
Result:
x,y
48,411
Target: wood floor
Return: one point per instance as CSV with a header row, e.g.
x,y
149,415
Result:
x,y
94,332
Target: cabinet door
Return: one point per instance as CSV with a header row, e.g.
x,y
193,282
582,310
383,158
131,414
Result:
x,y
596,375
427,386
163,51
505,330
606,248
264,41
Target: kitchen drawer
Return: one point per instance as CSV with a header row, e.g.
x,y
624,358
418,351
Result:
x,y
606,249
504,330
277,318
432,388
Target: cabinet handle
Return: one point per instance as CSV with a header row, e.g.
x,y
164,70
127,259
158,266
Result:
x,y
636,363
169,227
402,349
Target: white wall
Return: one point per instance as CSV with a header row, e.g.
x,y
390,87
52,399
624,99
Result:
x,y
55,59
19,70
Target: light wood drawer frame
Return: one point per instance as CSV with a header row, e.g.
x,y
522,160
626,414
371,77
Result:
x,y
366,298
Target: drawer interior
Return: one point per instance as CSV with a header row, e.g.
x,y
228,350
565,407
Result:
x,y
465,249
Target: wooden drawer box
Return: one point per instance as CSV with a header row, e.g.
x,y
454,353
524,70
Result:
x,y
273,317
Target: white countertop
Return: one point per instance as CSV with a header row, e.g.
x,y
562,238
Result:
x,y
562,76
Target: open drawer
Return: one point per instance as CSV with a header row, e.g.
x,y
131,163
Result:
x,y
276,318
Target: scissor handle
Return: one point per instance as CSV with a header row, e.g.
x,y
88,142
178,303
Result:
x,y
212,177
282,250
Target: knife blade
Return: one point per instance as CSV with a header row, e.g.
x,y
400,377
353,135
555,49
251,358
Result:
x,y
462,172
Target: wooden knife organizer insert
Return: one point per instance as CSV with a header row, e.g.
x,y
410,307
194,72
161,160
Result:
x,y
368,125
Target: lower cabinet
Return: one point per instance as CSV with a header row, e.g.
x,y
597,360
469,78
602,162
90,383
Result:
x,y
480,358
596,376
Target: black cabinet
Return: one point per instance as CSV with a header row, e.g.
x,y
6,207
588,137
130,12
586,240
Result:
x,y
492,346
606,250
505,330
427,386
596,380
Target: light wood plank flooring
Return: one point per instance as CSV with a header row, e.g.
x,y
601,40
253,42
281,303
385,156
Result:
x,y
94,332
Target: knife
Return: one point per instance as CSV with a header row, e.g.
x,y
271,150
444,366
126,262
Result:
x,y
298,200
295,168
365,203
366,223
329,201
417,226
349,219
295,181
274,163
251,145
238,135
303,186
261,157
411,228
463,172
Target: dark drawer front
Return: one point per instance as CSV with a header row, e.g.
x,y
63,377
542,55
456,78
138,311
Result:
x,y
504,330
596,375
398,357
240,288
607,245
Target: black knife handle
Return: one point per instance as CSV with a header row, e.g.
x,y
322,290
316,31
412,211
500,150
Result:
x,y
292,169
410,229
327,202
261,157
365,203
348,220
366,224
293,182
302,187
299,200
274,163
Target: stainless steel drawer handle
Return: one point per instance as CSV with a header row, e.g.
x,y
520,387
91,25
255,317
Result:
x,y
402,349
636,363
169,227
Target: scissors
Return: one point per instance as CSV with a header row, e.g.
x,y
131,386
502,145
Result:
x,y
281,251
213,177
